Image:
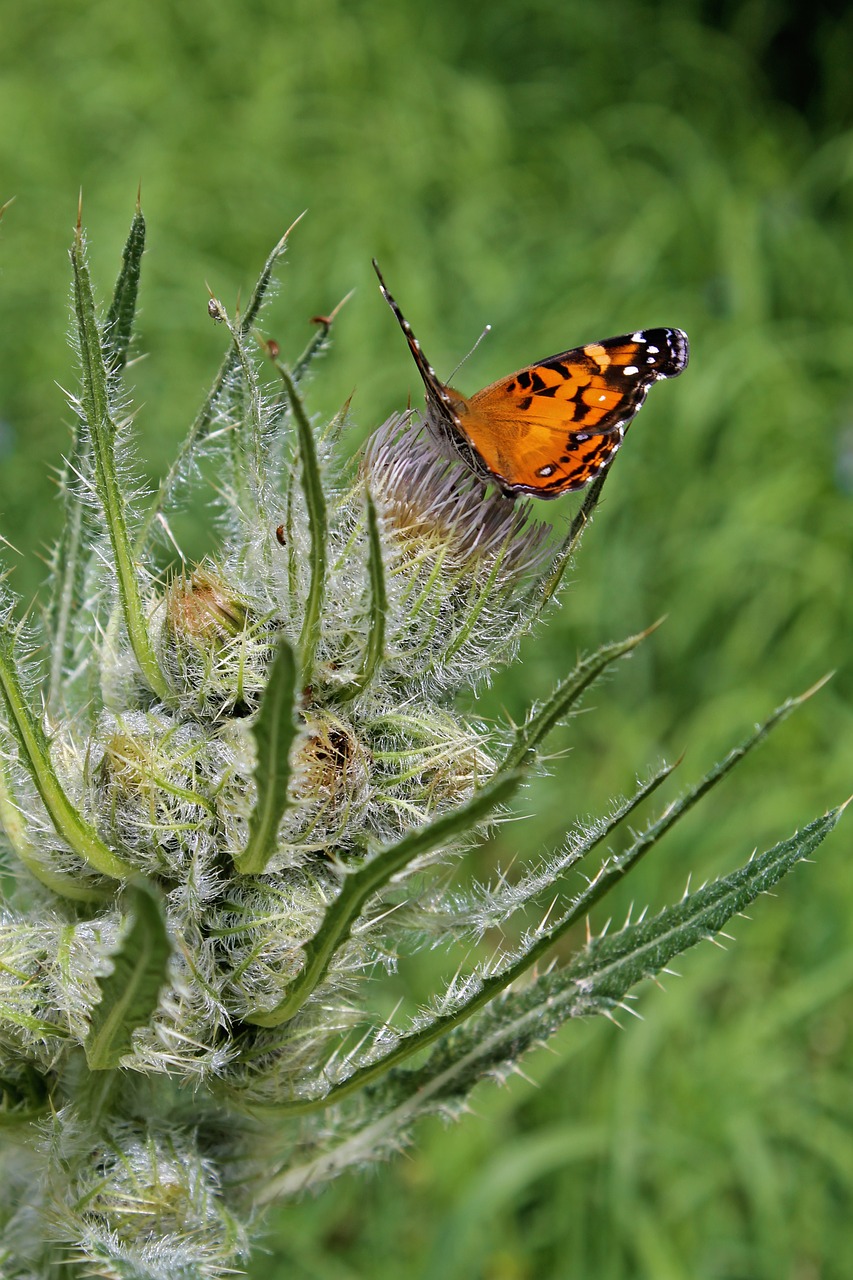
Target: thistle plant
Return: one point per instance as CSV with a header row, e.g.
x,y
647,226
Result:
x,y
232,792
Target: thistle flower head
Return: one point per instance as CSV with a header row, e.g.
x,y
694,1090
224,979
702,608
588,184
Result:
x,y
431,500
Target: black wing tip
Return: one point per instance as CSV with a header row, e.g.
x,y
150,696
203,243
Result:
x,y
679,345
675,345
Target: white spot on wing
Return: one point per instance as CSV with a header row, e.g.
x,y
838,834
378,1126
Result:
x,y
630,369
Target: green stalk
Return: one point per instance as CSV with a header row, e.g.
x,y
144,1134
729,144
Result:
x,y
563,558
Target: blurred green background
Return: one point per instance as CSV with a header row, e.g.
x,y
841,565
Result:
x,y
564,171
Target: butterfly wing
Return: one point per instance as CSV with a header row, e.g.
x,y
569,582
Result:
x,y
555,425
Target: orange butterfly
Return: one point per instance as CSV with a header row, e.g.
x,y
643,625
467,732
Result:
x,y
557,424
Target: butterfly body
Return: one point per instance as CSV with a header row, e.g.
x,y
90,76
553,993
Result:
x,y
553,426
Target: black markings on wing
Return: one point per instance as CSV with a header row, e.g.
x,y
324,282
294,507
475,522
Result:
x,y
575,468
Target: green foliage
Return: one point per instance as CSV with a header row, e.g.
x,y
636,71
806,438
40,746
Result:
x,y
563,172
284,894
274,731
130,993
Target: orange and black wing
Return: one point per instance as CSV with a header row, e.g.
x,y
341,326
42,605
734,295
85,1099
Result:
x,y
555,425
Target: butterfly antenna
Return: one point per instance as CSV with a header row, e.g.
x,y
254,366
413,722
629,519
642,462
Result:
x,y
487,330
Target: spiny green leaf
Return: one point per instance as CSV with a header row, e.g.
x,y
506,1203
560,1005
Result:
x,y
95,402
70,556
315,502
129,994
610,965
13,823
118,329
273,731
543,940
596,981
373,875
199,429
567,693
35,755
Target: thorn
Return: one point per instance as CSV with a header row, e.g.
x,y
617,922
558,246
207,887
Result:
x,y
517,1071
642,635
610,1017
818,684
80,211
4,207
328,321
283,241
139,197
843,806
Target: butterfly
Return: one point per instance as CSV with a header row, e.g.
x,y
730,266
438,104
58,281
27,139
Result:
x,y
557,424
